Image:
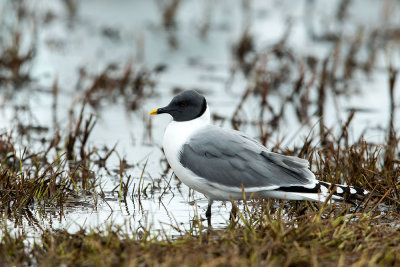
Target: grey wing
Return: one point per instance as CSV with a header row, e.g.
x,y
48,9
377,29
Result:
x,y
232,159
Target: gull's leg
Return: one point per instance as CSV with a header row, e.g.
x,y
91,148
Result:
x,y
208,212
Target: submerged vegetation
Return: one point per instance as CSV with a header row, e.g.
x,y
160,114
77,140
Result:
x,y
55,168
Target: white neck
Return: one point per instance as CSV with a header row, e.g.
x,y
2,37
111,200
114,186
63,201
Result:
x,y
179,132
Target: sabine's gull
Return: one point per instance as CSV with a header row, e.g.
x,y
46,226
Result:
x,y
220,162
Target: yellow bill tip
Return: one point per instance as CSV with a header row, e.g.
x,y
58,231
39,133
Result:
x,y
154,112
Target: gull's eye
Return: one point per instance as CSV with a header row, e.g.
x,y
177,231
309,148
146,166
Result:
x,y
182,104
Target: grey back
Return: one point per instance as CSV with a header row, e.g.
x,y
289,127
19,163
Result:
x,y
231,158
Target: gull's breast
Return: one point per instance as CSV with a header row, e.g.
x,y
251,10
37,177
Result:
x,y
176,135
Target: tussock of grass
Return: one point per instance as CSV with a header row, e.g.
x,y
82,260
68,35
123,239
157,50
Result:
x,y
52,176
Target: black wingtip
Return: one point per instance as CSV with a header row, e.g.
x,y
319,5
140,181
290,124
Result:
x,y
347,193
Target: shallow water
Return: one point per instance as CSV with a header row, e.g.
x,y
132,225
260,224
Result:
x,y
105,32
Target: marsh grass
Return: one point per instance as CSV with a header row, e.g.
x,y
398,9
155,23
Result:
x,y
51,176
17,47
168,13
132,85
265,234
